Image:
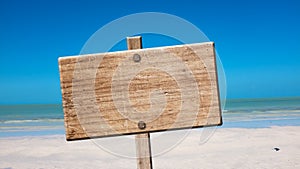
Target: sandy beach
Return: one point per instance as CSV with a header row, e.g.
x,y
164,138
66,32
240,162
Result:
x,y
227,148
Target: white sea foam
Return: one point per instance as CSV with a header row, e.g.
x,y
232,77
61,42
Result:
x,y
30,121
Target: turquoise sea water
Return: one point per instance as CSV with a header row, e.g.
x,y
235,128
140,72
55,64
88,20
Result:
x,y
24,120
258,113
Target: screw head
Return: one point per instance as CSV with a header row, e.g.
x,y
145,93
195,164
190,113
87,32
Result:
x,y
136,58
141,125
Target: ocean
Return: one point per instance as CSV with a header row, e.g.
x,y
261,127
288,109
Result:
x,y
47,119
23,120
260,113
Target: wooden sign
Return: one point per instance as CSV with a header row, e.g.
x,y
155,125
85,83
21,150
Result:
x,y
140,91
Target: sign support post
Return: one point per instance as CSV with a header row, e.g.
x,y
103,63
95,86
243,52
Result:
x,y
142,141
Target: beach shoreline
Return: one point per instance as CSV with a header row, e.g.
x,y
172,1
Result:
x,y
255,134
274,147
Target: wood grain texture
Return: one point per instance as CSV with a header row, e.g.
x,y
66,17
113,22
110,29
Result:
x,y
143,151
134,43
142,140
172,87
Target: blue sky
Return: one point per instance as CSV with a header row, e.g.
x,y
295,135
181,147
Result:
x,y
257,41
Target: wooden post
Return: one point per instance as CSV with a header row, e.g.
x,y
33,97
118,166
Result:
x,y
142,141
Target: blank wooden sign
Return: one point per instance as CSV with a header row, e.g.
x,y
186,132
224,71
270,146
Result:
x,y
137,91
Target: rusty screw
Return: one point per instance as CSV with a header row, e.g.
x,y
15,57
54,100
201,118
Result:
x,y
136,58
142,125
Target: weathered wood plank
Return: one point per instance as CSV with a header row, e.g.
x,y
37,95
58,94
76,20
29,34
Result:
x,y
108,94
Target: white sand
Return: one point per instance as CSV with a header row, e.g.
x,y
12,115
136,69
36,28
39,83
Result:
x,y
228,148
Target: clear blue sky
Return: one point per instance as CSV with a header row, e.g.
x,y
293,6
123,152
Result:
x,y
258,42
